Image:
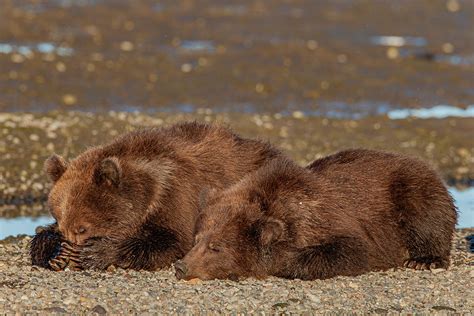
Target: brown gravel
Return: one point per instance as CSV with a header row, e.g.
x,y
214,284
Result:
x,y
29,290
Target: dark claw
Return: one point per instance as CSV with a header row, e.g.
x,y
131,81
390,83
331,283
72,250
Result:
x,y
58,264
54,267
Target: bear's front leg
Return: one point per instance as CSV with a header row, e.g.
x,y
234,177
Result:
x,y
48,249
152,248
45,245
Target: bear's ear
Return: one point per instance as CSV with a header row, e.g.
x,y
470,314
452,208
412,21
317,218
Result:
x,y
55,166
108,172
260,198
271,231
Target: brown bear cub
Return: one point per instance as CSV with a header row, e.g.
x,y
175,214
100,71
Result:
x,y
350,213
133,203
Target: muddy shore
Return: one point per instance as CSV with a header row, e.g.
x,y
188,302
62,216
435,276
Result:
x,y
30,138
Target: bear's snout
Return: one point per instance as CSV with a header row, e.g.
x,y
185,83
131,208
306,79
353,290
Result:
x,y
181,269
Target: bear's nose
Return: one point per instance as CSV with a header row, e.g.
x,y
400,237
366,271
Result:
x,y
181,269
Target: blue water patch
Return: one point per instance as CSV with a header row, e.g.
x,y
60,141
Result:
x,y
342,110
439,111
464,200
456,60
26,225
42,48
197,46
398,41
22,225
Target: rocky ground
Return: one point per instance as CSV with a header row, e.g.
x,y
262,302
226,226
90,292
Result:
x,y
29,138
30,290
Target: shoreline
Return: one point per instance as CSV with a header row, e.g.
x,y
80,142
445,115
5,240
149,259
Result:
x,y
31,138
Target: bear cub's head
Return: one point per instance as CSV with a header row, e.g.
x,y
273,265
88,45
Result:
x,y
97,196
233,238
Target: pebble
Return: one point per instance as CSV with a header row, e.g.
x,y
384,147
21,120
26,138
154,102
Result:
x,y
186,68
69,99
127,46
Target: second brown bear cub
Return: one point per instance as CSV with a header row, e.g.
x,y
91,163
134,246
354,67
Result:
x,y
346,214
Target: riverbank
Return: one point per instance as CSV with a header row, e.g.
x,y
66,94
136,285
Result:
x,y
28,139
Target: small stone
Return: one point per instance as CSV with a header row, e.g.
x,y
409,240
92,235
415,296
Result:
x,y
298,114
34,137
69,99
313,298
17,58
462,170
392,53
55,309
98,309
186,68
61,67
342,58
127,46
436,271
448,48
312,44
453,5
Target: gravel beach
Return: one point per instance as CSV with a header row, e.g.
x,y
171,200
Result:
x,y
30,290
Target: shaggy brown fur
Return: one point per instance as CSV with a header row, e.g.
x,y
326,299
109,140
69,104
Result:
x,y
133,203
352,212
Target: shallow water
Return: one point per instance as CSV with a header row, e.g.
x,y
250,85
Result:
x,y
398,41
439,111
29,49
26,225
333,110
22,225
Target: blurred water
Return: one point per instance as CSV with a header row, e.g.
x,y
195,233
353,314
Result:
x,y
197,46
398,41
334,110
22,225
26,225
439,111
28,49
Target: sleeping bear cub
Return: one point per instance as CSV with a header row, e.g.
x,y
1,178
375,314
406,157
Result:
x,y
347,214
